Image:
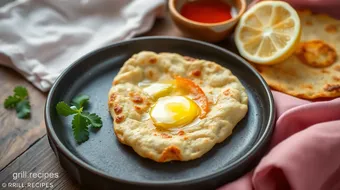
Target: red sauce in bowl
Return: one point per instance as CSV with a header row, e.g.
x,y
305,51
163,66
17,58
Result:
x,y
205,11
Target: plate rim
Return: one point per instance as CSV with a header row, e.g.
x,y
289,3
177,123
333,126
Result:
x,y
262,141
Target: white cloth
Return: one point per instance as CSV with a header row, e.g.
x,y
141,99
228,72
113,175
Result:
x,y
40,38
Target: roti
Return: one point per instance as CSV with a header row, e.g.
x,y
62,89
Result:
x,y
172,107
314,70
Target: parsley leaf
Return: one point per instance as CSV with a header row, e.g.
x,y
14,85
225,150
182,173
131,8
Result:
x,y
80,101
65,110
19,101
82,120
93,119
80,128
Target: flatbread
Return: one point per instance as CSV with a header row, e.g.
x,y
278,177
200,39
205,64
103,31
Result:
x,y
314,80
129,106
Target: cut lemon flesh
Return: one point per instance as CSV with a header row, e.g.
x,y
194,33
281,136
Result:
x,y
268,32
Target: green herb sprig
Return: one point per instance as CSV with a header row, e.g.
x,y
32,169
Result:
x,y
20,102
82,120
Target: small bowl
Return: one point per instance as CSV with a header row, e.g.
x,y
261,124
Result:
x,y
211,32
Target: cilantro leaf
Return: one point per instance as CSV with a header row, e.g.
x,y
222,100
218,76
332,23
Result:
x,y
82,120
11,102
80,101
19,101
64,109
93,119
20,92
80,128
23,109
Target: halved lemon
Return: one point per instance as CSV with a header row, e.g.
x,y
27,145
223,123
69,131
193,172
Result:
x,y
268,32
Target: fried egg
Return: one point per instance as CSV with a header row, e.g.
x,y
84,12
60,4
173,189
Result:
x,y
174,111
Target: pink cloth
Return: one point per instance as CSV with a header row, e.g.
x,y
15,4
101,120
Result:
x,y
305,148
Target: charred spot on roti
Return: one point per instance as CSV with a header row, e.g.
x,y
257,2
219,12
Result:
x,y
117,108
119,118
331,28
136,98
180,133
138,109
337,68
335,78
113,97
170,153
166,136
332,87
309,23
196,73
188,58
226,92
324,71
153,60
316,53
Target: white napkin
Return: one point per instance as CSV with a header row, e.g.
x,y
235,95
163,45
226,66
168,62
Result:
x,y
40,38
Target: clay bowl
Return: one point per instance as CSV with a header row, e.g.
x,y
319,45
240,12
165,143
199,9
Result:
x,y
210,32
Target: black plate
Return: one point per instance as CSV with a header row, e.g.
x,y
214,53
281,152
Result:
x,y
102,162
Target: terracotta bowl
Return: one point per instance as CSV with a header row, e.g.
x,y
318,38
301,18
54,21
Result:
x,y
211,32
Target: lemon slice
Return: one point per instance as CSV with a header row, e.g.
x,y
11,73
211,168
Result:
x,y
268,32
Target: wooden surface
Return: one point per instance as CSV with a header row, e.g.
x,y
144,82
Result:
x,y
23,143
16,135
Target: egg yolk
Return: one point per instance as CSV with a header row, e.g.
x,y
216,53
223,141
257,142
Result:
x,y
157,90
173,111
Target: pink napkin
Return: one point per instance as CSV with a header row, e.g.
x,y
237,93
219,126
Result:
x,y
305,148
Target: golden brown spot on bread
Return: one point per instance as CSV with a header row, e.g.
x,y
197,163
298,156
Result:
x,y
337,68
166,136
185,138
180,133
324,71
119,118
316,53
110,104
309,23
170,153
138,109
309,86
189,58
332,87
113,97
336,78
153,60
331,28
114,82
117,108
218,68
196,73
136,98
150,73
227,92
